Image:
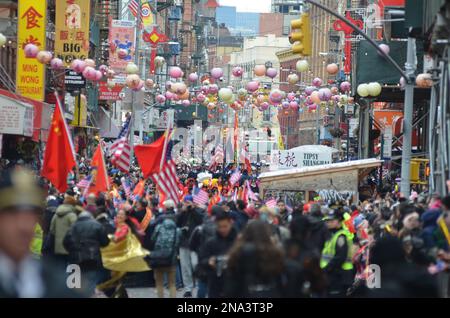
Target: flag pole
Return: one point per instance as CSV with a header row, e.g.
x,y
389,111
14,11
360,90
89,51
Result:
x,y
166,140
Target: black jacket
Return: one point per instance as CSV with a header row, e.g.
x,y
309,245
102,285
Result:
x,y
240,219
187,221
83,242
217,247
319,233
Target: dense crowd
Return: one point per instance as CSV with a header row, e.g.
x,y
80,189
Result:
x,y
229,246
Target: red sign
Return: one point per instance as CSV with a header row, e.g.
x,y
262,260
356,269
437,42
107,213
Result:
x,y
106,93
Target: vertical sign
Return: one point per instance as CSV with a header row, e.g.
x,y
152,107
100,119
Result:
x,y
387,143
30,75
72,29
121,41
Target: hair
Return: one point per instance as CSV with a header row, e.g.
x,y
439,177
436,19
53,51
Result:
x,y
231,205
241,204
266,255
300,228
128,221
222,215
143,203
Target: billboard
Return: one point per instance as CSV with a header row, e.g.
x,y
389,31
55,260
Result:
x,y
121,37
30,75
72,30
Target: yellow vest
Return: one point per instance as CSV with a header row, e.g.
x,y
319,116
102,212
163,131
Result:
x,y
329,250
36,243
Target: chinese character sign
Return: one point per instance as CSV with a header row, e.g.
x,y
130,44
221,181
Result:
x,y
72,29
30,76
121,38
295,158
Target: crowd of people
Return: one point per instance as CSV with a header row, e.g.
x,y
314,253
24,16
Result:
x,y
227,246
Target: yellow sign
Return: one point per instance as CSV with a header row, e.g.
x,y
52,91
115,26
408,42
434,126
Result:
x,y
147,14
72,30
80,113
30,75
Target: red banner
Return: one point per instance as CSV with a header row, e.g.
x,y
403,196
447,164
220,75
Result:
x,y
106,93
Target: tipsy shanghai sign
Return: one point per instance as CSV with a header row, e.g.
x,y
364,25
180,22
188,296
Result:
x,y
72,29
30,76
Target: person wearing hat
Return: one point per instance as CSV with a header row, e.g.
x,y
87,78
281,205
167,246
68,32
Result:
x,y
336,259
21,276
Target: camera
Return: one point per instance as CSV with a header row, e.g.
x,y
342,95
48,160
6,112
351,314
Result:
x,y
221,265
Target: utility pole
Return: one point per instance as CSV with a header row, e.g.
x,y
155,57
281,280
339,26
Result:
x,y
136,61
410,66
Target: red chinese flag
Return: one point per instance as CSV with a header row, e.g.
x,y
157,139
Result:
x,y
139,189
100,180
149,156
59,157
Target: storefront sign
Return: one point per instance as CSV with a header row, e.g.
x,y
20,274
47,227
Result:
x,y
121,37
298,158
31,22
72,29
16,119
106,93
387,143
74,81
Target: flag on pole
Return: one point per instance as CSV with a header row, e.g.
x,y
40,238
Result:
x,y
235,177
99,176
59,156
251,195
236,135
134,7
245,158
201,197
272,203
84,183
218,157
149,156
120,150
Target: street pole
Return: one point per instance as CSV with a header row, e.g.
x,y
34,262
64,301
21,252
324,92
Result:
x,y
317,124
410,66
136,61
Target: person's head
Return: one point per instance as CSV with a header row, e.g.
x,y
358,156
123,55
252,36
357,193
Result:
x,y
315,210
281,206
142,204
91,199
333,219
21,205
300,228
169,205
100,201
121,216
188,202
411,221
224,223
241,205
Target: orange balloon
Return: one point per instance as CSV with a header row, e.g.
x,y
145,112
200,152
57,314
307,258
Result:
x,y
315,97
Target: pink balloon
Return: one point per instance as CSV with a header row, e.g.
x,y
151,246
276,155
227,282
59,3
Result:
x,y
317,82
139,86
216,73
78,66
324,94
312,107
237,71
175,72
293,105
309,90
89,73
56,64
265,106
332,69
193,77
252,86
291,96
161,99
213,89
345,87
271,72
103,68
31,51
334,90
170,95
201,98
186,103
260,70
98,75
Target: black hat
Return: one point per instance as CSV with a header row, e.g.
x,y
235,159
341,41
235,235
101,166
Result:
x,y
19,189
333,214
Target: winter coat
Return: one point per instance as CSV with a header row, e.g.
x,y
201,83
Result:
x,y
429,219
187,221
63,219
84,240
240,219
319,233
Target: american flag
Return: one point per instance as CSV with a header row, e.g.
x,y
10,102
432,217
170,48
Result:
x,y
218,156
251,195
201,197
134,7
272,203
121,149
126,186
167,179
235,177
84,183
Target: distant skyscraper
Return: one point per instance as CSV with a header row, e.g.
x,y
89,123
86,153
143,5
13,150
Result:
x,y
286,6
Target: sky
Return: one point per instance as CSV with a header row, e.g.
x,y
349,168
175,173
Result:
x,y
248,5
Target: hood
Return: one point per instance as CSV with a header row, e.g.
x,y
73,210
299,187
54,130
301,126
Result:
x,y
430,217
64,209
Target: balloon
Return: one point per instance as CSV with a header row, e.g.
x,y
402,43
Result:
x,y
78,66
363,90
334,90
260,99
271,72
265,106
343,99
225,94
132,68
44,57
122,54
385,48
98,76
169,85
291,96
89,62
139,86
259,70
424,80
302,66
2,39
149,83
159,61
317,82
201,98
206,82
193,77
312,107
345,87
161,99
89,73
56,64
237,71
332,69
293,105
110,74
31,51
211,106
309,90
170,95
213,89
216,73
132,81
185,95
292,79
374,89
178,88
324,94
103,68
175,72
315,98
242,92
186,103
275,96
252,86
336,98
285,104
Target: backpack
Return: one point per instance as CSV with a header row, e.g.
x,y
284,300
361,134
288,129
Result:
x,y
165,243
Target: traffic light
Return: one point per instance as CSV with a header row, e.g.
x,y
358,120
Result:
x,y
301,35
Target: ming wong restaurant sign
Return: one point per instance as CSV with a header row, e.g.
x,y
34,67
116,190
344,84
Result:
x,y
72,29
30,75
